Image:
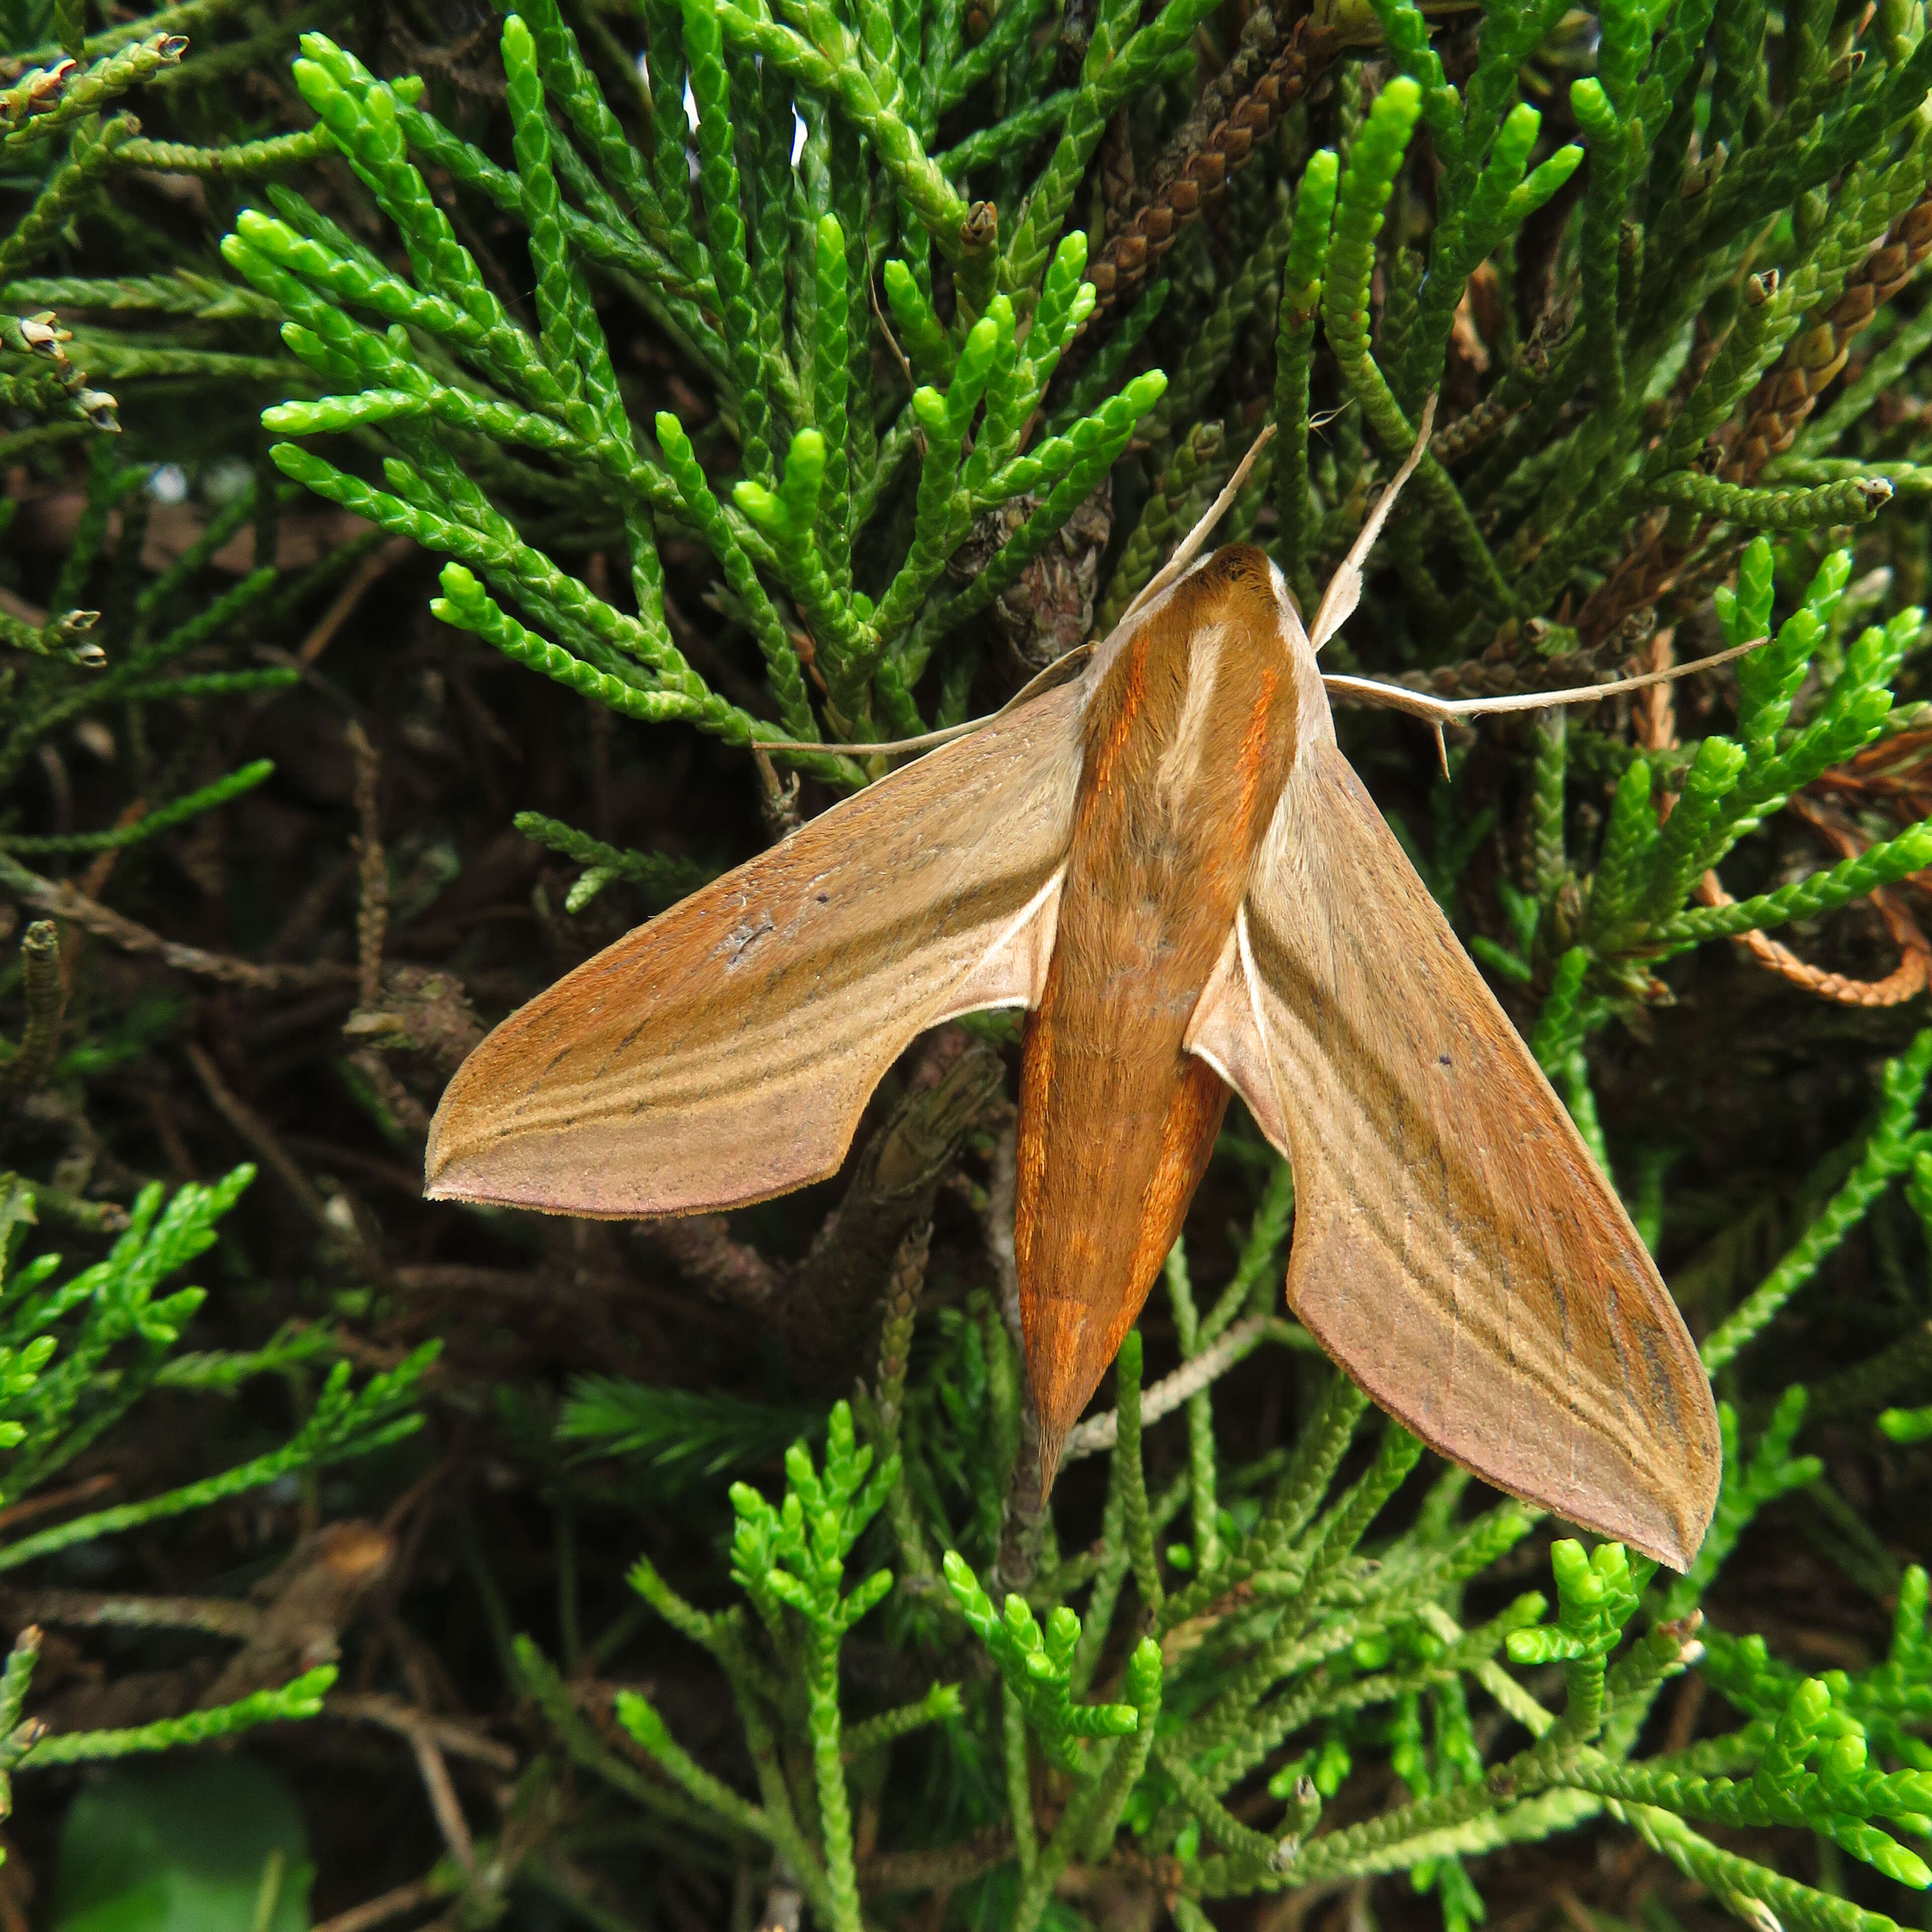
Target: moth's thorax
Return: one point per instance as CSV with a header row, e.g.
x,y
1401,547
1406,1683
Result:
x,y
1189,736
1189,740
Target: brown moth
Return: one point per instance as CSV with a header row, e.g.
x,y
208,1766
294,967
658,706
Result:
x,y
1168,863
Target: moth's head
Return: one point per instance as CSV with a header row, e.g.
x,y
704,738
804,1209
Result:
x,y
1237,591
1243,587
1240,596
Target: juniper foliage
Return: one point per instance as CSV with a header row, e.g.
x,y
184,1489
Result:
x,y
955,319
79,1353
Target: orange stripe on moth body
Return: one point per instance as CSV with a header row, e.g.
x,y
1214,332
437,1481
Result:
x,y
1127,689
1188,741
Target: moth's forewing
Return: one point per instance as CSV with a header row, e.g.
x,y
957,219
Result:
x,y
1456,1248
723,1053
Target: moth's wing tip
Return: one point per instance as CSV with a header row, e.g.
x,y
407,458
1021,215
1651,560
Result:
x,y
1678,1516
490,1174
449,1168
1673,1543
452,1178
1668,1526
1702,1503
1670,1552
1051,1448
438,1185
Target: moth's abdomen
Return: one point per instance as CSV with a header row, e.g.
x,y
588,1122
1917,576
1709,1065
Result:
x,y
1188,742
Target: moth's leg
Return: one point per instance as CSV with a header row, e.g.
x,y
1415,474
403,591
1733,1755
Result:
x,y
1440,711
1190,545
1344,587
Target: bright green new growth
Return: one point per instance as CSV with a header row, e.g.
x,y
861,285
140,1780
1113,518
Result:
x,y
76,1356
842,586
795,521
1313,1623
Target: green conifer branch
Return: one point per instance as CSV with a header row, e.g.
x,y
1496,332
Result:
x,y
829,63
1890,1150
1373,165
344,1424
1300,308
1823,892
1855,499
90,155
782,665
86,92
292,1702
164,818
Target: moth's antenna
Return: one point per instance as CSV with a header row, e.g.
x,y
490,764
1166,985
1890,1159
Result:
x,y
929,742
1056,674
1440,711
1344,587
1190,545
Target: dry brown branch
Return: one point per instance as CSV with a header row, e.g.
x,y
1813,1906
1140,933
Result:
x,y
1813,357
373,569
65,901
390,1905
943,1866
1658,732
257,1135
700,1247
1217,141
1654,711
90,1610
1023,1513
452,1736
28,1508
372,914
442,1799
894,1182
1904,982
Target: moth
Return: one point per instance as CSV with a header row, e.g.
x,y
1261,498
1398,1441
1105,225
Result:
x,y
1166,859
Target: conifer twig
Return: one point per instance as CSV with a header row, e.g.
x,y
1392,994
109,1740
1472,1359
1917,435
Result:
x,y
64,902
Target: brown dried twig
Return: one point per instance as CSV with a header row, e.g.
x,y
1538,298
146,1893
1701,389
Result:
x,y
894,1181
46,993
455,1737
257,1135
1912,974
1908,978
372,914
389,1905
373,569
65,901
1238,111
1813,357
941,1868
700,1248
